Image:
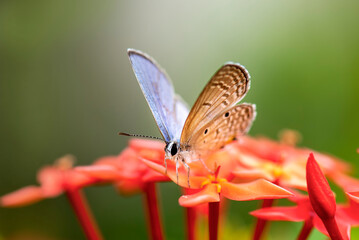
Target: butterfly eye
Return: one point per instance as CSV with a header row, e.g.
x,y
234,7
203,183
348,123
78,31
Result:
x,y
226,114
174,149
206,131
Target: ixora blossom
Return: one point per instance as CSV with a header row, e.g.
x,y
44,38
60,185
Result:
x,y
131,176
126,171
55,180
218,183
245,170
212,186
318,210
281,163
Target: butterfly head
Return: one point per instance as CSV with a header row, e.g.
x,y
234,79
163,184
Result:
x,y
172,148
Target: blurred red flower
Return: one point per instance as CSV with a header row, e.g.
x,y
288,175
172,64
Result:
x,y
317,209
54,180
279,162
129,174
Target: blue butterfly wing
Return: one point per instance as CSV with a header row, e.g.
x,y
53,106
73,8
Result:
x,y
182,112
168,110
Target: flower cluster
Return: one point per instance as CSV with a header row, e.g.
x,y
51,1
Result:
x,y
244,170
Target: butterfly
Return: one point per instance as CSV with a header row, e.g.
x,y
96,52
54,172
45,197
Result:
x,y
214,119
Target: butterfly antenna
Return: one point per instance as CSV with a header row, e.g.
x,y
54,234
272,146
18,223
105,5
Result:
x,y
139,135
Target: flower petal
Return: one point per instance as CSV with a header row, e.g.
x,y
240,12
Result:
x,y
149,149
343,227
51,181
195,182
264,148
252,174
219,158
153,176
259,189
128,187
330,164
353,196
294,182
22,197
102,172
347,183
139,143
155,166
208,194
75,180
293,214
348,214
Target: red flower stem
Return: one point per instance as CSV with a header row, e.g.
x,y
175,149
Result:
x,y
83,213
332,228
213,220
306,229
191,223
153,216
261,223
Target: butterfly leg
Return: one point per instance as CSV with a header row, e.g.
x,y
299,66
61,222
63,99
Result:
x,y
203,163
198,157
188,170
205,166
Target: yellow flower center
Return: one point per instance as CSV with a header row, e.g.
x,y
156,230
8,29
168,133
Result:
x,y
274,169
213,180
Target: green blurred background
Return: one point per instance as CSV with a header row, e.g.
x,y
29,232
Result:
x,y
66,86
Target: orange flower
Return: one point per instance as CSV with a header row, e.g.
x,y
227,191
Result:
x,y
318,210
278,162
126,170
286,172
218,183
54,180
354,196
131,176
346,216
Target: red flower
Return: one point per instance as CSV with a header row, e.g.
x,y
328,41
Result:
x,y
320,194
318,208
54,180
354,196
213,185
286,172
279,162
346,216
129,174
